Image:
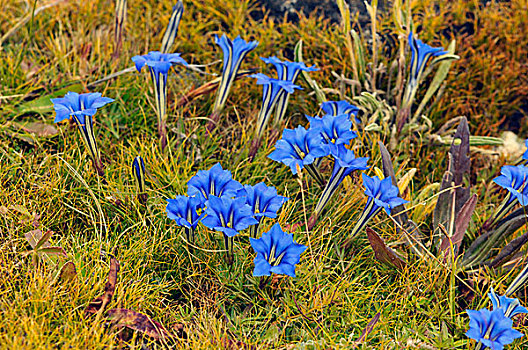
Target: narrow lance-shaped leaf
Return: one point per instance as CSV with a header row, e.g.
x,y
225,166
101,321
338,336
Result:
x,y
451,200
172,28
462,222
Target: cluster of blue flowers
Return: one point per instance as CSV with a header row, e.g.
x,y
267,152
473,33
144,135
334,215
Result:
x,y
276,94
493,329
330,135
224,205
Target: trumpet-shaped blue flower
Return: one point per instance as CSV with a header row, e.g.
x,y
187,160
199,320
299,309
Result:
x,y
515,180
158,62
213,182
299,147
491,328
228,215
420,54
382,193
185,211
511,306
74,104
234,53
288,71
334,129
263,200
336,108
159,65
273,88
276,252
345,163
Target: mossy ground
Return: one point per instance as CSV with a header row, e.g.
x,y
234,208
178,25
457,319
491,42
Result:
x,y
337,291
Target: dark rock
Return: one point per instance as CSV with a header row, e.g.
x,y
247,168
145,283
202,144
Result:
x,y
326,8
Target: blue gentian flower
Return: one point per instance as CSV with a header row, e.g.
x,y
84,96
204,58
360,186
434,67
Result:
x,y
234,53
74,104
334,129
159,65
511,306
420,54
276,252
288,71
381,194
215,181
345,163
515,180
82,108
138,169
299,147
491,328
186,212
228,215
336,108
273,88
264,202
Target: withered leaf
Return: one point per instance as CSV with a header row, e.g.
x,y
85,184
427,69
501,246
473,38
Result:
x,y
459,165
40,129
34,237
102,301
138,322
367,330
383,253
68,272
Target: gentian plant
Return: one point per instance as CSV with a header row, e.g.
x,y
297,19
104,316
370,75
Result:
x,y
491,329
421,54
264,202
336,108
382,194
345,163
287,71
335,130
82,107
138,169
229,216
234,53
213,182
186,212
300,148
277,252
159,65
272,90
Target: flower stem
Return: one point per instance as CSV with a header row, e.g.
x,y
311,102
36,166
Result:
x,y
368,213
315,174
